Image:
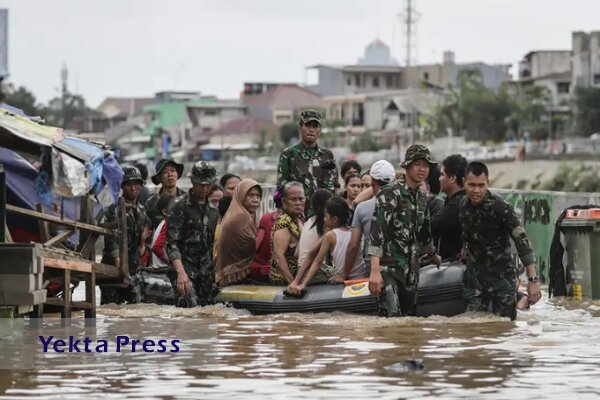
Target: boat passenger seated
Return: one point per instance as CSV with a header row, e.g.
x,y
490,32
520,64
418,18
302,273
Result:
x,y
337,214
237,243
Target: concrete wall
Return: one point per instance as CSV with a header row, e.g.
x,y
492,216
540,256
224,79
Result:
x,y
539,211
493,75
549,62
331,82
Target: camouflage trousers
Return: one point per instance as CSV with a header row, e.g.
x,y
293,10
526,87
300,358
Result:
x,y
201,290
399,294
131,294
494,293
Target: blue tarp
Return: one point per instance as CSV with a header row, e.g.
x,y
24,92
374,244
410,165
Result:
x,y
20,177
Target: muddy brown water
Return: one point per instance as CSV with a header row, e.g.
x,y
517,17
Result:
x,y
550,352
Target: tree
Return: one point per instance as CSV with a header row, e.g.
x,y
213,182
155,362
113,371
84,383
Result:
x,y
288,132
530,111
364,143
587,111
25,100
65,109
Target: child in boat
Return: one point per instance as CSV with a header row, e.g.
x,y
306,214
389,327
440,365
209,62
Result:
x,y
337,214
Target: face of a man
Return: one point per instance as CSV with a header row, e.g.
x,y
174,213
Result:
x,y
417,171
446,181
168,177
201,191
131,190
476,187
310,132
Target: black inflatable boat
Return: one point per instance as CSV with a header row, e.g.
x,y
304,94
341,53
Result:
x,y
440,293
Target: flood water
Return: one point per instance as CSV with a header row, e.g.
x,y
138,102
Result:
x,y
551,351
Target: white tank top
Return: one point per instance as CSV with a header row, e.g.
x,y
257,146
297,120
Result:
x,y
339,255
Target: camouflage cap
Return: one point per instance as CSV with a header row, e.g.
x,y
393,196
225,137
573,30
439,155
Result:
x,y
310,115
132,174
203,172
417,152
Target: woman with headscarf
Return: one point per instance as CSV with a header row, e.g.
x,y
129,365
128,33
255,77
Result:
x,y
237,242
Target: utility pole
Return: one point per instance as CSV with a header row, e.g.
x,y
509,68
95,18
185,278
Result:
x,y
64,76
408,19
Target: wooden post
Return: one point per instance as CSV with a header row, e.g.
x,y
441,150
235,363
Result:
x,y
66,311
123,245
2,204
44,225
90,297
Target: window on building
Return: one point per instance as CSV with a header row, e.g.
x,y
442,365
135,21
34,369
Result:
x,y
210,112
563,87
389,81
376,81
349,82
596,79
357,79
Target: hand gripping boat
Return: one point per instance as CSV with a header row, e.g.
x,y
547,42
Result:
x,y
440,293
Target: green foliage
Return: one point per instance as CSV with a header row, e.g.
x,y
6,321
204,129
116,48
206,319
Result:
x,y
587,111
65,109
484,115
26,101
583,178
288,132
364,143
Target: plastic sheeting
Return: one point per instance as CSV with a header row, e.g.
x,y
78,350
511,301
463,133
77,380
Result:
x,y
69,176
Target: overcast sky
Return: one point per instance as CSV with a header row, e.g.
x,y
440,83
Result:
x,y
138,47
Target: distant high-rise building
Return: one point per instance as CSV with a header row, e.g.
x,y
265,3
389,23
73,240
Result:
x,y
3,43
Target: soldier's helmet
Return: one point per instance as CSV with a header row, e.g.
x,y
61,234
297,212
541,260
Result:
x,y
203,172
310,115
417,152
132,174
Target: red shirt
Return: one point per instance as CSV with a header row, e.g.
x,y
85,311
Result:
x,y
259,270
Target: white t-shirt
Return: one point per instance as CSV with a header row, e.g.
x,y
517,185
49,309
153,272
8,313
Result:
x,y
308,237
157,262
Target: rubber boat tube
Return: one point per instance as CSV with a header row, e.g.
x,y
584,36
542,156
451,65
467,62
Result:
x,y
440,293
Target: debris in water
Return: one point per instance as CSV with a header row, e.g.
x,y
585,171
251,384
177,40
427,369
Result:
x,y
410,365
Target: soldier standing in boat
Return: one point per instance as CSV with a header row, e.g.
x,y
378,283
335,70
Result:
x,y
192,221
400,233
307,162
488,223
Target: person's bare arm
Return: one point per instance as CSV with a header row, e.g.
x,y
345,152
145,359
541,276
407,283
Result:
x,y
375,280
328,243
308,261
363,196
352,251
281,241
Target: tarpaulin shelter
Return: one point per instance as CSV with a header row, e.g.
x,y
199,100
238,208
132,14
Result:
x,y
71,167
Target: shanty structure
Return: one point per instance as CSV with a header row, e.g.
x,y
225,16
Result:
x,y
51,188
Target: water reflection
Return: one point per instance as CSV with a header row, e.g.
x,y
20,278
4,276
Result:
x,y
229,352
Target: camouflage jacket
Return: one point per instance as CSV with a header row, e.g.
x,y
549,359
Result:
x,y
190,232
486,231
400,228
151,209
313,167
136,220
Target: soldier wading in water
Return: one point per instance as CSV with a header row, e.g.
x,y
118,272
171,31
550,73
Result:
x,y
488,223
400,233
192,221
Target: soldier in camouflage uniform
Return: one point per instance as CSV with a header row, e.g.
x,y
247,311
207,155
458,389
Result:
x,y
306,162
138,226
167,174
488,223
191,225
400,233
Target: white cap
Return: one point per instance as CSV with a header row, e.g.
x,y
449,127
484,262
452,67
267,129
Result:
x,y
382,170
